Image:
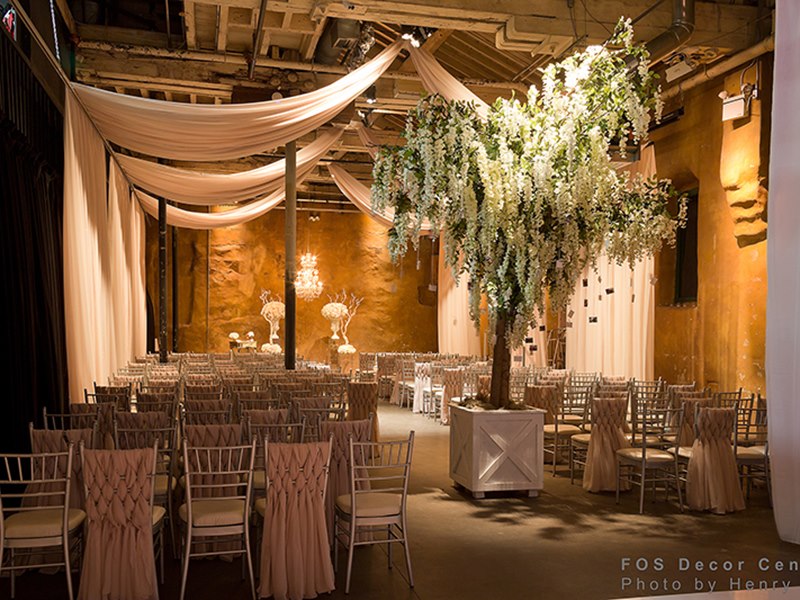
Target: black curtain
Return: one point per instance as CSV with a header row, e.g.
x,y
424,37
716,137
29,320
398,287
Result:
x,y
34,368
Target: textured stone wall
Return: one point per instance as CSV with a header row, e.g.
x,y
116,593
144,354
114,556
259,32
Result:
x,y
398,313
719,340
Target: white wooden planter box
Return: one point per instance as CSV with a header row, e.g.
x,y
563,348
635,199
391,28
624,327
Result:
x,y
497,450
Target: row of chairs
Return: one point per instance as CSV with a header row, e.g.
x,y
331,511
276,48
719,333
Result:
x,y
223,484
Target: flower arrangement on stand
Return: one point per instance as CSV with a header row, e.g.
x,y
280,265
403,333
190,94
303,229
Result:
x,y
352,302
273,311
335,312
528,196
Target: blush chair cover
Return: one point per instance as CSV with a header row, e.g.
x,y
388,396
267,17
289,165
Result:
x,y
362,398
119,562
544,397
422,381
339,478
56,440
146,423
104,412
600,474
295,554
453,388
712,482
689,407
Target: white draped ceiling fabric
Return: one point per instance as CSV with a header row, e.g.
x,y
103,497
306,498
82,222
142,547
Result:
x,y
783,256
104,282
612,312
221,132
207,189
104,294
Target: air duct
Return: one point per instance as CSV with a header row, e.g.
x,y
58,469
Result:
x,y
677,34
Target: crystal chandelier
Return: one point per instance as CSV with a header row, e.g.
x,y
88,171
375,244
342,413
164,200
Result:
x,y
307,284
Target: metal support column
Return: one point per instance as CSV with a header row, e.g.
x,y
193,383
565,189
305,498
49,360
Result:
x,y
162,280
291,250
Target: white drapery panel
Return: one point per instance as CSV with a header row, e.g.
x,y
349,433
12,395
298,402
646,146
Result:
x,y
612,333
613,314
198,188
104,276
206,133
360,195
128,317
436,79
369,139
783,255
457,334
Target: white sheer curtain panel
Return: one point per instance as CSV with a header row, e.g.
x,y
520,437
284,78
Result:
x,y
783,256
199,188
436,79
612,311
360,195
457,333
206,133
128,308
87,270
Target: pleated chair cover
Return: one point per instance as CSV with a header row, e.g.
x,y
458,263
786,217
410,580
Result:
x,y
712,482
544,397
142,421
118,561
295,554
689,407
339,478
207,412
362,398
484,385
85,415
600,474
204,436
57,440
453,388
268,417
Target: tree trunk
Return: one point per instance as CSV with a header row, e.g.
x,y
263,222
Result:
x,y
501,365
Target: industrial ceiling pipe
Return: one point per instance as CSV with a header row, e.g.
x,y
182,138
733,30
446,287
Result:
x,y
677,34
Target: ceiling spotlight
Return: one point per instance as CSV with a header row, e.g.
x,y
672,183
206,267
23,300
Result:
x,y
371,93
407,32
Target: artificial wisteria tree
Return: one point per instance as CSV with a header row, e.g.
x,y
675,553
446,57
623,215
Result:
x,y
528,197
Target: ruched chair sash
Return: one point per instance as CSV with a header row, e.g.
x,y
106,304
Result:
x,y
606,438
362,398
295,554
713,479
544,397
339,432
453,388
119,562
57,440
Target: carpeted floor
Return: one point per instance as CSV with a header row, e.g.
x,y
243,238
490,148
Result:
x,y
564,544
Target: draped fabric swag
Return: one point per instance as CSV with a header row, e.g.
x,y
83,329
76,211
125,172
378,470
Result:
x,y
104,293
619,341
783,254
206,133
206,189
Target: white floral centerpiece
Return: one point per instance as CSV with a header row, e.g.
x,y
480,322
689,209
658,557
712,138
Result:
x,y
335,312
271,348
273,311
528,197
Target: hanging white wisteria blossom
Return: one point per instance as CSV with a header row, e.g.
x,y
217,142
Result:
x,y
527,197
273,311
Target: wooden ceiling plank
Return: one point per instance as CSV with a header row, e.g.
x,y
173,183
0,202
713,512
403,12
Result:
x,y
222,29
190,25
432,44
309,45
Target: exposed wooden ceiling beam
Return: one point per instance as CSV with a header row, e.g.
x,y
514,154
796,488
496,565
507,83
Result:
x,y
66,14
222,28
432,44
191,26
309,45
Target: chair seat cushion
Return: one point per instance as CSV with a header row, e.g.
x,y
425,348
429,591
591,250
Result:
x,y
652,455
371,504
158,514
751,453
161,482
41,523
581,438
261,506
572,419
683,452
214,513
563,429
